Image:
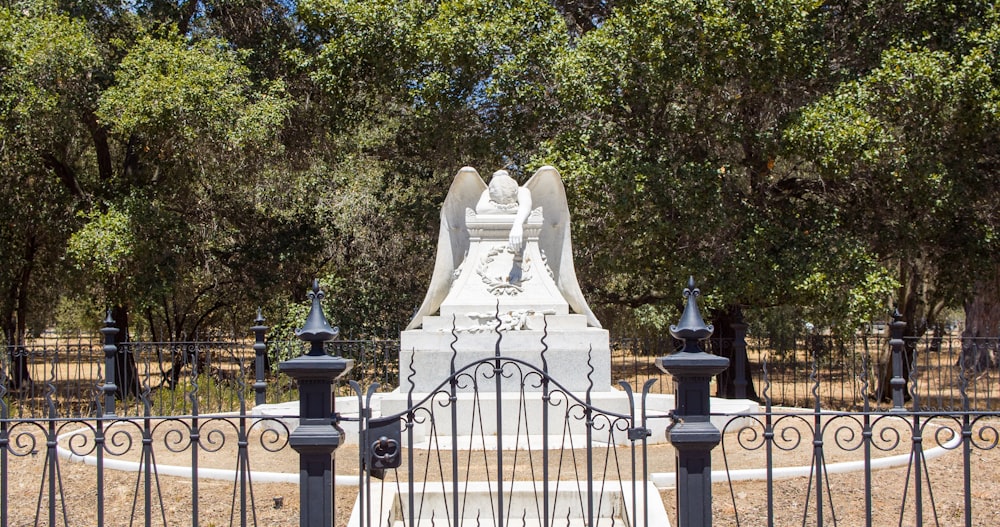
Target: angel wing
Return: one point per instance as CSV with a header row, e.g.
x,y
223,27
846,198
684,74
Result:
x,y
555,242
453,239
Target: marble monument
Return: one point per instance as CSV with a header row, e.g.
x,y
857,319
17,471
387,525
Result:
x,y
504,268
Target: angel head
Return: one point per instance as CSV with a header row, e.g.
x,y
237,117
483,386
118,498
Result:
x,y
503,188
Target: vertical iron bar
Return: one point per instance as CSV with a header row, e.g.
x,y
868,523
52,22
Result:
x,y
635,508
645,455
99,447
740,354
589,414
195,437
817,443
546,398
453,399
918,448
768,445
918,493
110,352
4,444
147,466
243,443
364,471
51,457
497,376
966,449
259,348
866,436
632,439
410,498
897,383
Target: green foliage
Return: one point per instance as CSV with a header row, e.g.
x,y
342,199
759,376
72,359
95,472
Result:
x,y
918,133
192,161
191,97
47,57
104,244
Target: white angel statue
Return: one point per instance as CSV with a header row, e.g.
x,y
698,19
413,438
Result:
x,y
469,195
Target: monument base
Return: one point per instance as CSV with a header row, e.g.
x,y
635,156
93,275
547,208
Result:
x,y
576,357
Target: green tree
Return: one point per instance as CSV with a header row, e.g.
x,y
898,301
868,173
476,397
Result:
x,y
672,140
917,135
46,59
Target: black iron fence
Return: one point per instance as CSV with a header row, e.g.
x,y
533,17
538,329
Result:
x,y
82,445
87,439
74,368
904,465
842,362
67,373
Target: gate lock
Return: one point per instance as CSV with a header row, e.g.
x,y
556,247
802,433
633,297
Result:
x,y
382,446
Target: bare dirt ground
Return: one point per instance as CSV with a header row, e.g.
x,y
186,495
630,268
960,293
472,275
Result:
x,y
745,503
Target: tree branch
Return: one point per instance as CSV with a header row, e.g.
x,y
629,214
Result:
x,y
99,134
65,174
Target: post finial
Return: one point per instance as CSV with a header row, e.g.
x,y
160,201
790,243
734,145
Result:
x,y
691,325
316,329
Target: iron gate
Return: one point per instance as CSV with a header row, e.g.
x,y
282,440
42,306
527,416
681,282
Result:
x,y
470,452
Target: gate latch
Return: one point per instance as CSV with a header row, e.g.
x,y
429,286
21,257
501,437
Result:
x,y
639,432
383,448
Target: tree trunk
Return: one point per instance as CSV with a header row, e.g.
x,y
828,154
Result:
x,y
919,307
16,320
982,326
126,373
17,375
721,344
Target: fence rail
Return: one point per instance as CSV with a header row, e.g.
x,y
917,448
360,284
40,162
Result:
x,y
841,363
74,368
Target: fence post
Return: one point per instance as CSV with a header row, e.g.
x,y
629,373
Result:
x,y
740,354
898,383
316,438
110,351
259,347
693,436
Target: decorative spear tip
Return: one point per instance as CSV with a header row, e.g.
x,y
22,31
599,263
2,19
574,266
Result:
x,y
691,290
108,321
260,317
316,328
691,325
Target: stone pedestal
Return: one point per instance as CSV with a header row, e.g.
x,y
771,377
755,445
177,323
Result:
x,y
577,359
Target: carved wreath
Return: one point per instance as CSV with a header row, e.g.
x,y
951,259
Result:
x,y
503,285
